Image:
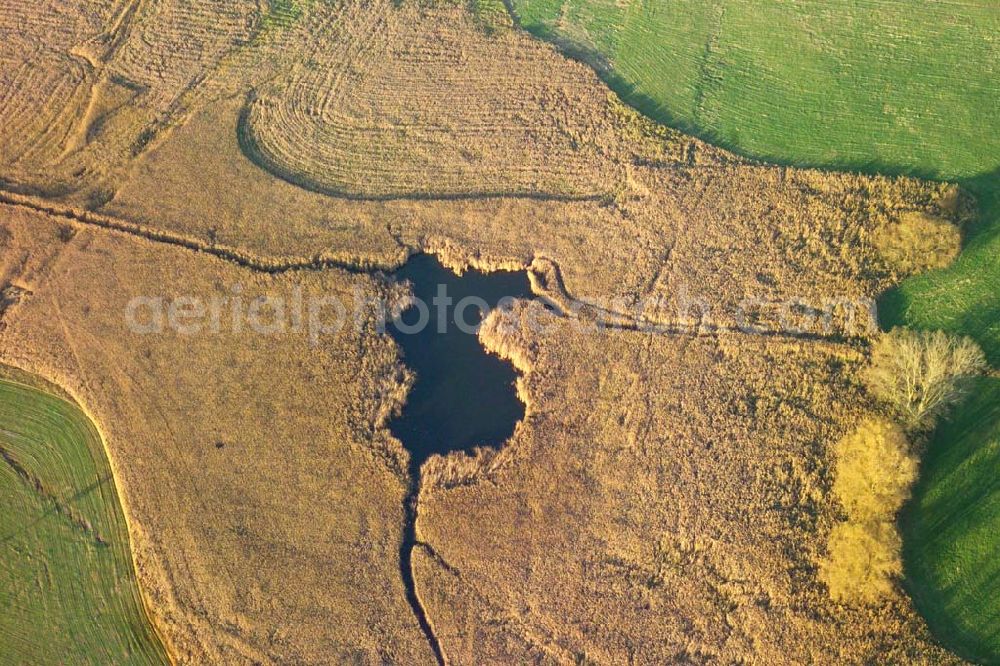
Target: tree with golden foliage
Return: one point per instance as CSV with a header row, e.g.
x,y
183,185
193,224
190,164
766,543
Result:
x,y
920,374
864,558
874,471
923,373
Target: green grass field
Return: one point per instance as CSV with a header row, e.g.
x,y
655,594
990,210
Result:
x,y
67,586
896,85
893,86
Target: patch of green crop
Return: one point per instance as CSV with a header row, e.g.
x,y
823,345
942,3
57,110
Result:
x,y
67,586
490,14
283,13
890,86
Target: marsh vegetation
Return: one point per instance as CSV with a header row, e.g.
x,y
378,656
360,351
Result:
x,y
811,84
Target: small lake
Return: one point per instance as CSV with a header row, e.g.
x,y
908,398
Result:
x,y
463,396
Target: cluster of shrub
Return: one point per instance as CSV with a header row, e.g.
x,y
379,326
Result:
x,y
917,376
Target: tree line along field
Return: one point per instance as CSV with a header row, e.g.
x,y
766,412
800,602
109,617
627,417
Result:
x,y
894,86
67,585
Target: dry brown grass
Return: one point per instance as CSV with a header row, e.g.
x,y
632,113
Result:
x,y
664,500
482,112
87,87
396,104
669,490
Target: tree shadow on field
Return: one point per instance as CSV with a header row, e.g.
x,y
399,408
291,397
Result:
x,y
949,499
986,188
56,508
980,323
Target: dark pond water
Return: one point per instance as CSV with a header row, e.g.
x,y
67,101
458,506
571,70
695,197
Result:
x,y
463,396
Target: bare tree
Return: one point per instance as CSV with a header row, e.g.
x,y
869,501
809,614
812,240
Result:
x,y
922,373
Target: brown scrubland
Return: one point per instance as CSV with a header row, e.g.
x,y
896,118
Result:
x,y
265,504
672,491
